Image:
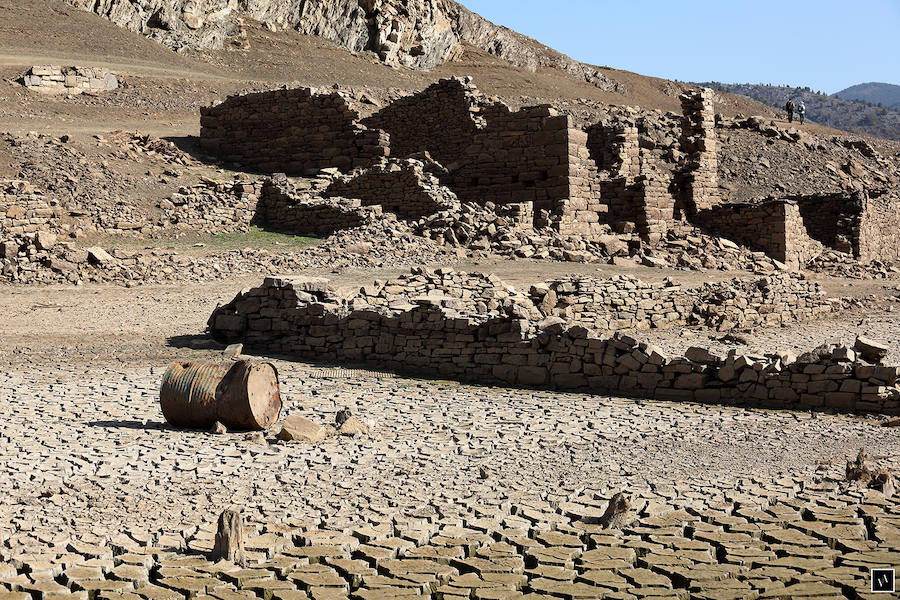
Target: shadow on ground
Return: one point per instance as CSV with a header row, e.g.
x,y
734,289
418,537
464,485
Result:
x,y
130,425
190,144
194,342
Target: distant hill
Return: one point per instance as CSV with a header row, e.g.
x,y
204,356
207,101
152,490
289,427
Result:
x,y
885,94
857,116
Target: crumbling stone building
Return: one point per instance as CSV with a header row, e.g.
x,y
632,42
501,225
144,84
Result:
x,y
579,180
292,131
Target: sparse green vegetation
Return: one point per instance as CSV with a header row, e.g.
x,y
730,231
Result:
x,y
204,243
259,238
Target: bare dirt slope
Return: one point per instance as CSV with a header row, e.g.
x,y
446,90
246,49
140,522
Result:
x,y
54,32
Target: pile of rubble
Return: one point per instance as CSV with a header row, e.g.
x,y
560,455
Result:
x,y
504,231
690,249
793,163
134,145
840,264
382,241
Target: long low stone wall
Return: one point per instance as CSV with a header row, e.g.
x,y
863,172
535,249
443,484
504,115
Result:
x,y
52,79
624,302
300,317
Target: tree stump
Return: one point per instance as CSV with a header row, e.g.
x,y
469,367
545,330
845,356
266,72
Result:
x,y
341,417
229,544
618,513
857,469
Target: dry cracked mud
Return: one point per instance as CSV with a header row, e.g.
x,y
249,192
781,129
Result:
x,y
459,491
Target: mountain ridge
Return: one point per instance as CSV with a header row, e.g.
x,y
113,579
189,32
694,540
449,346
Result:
x,y
885,94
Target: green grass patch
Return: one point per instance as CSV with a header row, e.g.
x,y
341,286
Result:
x,y
259,238
195,242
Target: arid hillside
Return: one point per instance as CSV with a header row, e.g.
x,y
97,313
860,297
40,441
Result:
x,y
56,32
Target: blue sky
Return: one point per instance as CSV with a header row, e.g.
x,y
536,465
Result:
x,y
827,45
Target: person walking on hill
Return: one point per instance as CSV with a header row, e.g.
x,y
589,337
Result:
x,y
789,107
801,111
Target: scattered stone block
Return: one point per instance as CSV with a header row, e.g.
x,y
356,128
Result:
x,y
301,429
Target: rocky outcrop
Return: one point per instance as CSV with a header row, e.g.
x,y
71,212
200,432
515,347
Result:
x,y
420,34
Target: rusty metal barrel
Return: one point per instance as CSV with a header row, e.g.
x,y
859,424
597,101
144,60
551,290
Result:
x,y
242,395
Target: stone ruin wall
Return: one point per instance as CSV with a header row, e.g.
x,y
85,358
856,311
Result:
x,y
519,157
442,120
494,154
615,148
634,193
655,205
402,187
290,131
214,207
775,227
864,223
607,305
283,208
28,223
834,219
584,211
879,229
26,211
299,317
53,79
578,181
699,141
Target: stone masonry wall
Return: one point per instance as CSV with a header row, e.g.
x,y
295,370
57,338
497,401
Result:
x,y
441,120
519,157
699,142
834,219
52,79
290,131
654,205
864,223
213,206
402,187
623,302
879,230
25,211
283,208
584,211
300,317
774,227
615,147
494,154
